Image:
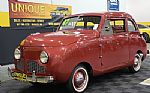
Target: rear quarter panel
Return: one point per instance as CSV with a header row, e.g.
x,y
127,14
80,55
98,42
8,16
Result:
x,y
136,43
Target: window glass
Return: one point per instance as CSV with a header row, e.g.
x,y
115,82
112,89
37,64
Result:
x,y
131,26
107,29
81,23
119,22
118,25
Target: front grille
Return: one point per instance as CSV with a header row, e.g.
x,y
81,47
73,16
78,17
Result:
x,y
34,66
20,65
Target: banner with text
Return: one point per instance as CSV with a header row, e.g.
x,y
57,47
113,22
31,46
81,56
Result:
x,y
28,14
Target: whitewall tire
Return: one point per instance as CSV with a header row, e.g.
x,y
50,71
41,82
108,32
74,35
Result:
x,y
79,79
137,63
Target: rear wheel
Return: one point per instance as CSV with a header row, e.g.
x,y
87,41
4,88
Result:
x,y
78,80
137,63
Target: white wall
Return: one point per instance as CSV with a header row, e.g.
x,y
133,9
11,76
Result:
x,y
139,9
4,6
78,6
82,6
38,1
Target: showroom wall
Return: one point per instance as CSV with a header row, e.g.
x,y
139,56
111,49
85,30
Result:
x,y
81,6
139,9
135,7
4,15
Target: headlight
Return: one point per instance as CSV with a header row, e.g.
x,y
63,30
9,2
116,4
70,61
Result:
x,y
17,53
44,57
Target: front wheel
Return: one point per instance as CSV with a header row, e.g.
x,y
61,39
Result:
x,y
78,80
137,63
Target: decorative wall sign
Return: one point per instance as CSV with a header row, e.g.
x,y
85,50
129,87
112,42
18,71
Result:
x,y
113,5
28,14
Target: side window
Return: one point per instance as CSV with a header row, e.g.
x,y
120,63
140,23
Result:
x,y
131,26
107,29
118,25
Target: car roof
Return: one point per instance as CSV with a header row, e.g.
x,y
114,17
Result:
x,y
107,14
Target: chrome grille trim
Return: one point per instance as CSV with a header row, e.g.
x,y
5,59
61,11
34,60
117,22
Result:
x,y
34,66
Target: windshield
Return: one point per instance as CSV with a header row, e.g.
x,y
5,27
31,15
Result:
x,y
80,23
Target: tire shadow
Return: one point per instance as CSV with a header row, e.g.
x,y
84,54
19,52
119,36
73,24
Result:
x,y
60,88
51,88
119,77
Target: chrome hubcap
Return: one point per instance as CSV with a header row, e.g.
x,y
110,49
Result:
x,y
80,80
137,62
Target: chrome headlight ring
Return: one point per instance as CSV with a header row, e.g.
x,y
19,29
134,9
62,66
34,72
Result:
x,y
17,54
44,57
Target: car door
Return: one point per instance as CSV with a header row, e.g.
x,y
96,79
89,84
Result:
x,y
121,43
114,46
108,57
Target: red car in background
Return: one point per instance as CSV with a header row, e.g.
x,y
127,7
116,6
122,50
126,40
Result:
x,y
84,45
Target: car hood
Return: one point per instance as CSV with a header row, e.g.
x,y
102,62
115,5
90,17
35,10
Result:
x,y
60,38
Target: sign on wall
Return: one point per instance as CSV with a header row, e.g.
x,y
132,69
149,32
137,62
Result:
x,y
113,5
28,14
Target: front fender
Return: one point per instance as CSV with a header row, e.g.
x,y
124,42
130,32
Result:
x,y
64,62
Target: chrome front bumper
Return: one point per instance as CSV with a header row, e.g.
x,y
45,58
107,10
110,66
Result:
x,y
32,78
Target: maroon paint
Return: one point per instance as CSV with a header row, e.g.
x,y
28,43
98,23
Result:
x,y
103,53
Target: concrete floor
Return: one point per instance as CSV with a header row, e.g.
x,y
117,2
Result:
x,y
4,72
116,82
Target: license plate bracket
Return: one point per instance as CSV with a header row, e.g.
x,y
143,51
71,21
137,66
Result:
x,y
19,76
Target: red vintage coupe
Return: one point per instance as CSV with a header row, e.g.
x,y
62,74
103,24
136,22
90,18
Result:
x,y
84,45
